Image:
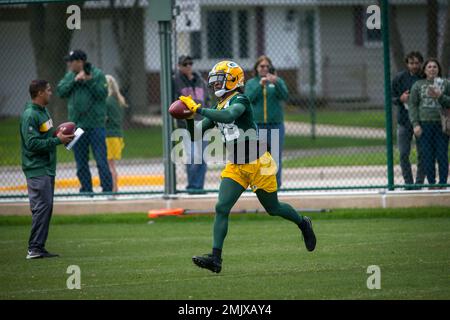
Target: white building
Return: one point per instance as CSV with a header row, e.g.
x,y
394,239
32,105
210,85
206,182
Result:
x,y
348,57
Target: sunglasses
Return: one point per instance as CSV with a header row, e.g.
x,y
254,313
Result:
x,y
187,64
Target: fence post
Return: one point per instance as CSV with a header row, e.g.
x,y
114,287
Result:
x,y
162,11
165,30
312,72
387,93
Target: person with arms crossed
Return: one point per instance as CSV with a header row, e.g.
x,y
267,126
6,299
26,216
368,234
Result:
x,y
401,86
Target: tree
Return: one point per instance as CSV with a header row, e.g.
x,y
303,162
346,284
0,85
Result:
x,y
397,50
50,39
396,43
445,56
432,28
128,31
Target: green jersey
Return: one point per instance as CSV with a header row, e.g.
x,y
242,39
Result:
x,y
234,118
37,141
244,127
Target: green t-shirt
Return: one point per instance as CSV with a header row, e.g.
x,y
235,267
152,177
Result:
x,y
114,117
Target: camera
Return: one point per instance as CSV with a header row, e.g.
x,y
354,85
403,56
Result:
x,y
87,68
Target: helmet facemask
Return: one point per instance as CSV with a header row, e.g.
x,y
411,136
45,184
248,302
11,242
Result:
x,y
226,76
222,78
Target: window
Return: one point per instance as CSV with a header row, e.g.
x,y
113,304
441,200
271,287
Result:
x,y
228,34
196,44
373,35
243,33
364,35
219,34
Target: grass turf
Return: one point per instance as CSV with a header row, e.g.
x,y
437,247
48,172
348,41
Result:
x,y
141,143
123,257
365,118
145,143
347,159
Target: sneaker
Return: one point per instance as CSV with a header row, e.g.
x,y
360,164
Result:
x,y
208,261
34,254
46,254
308,233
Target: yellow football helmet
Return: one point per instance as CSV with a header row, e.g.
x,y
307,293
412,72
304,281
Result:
x,y
229,73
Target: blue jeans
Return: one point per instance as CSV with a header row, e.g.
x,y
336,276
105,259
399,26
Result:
x,y
404,138
96,138
434,147
278,155
196,169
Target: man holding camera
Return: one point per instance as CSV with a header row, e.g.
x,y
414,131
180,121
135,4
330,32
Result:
x,y
86,89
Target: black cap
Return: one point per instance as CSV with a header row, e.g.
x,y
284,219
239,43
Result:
x,y
182,59
75,55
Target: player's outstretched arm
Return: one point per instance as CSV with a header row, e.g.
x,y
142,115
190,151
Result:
x,y
203,125
227,115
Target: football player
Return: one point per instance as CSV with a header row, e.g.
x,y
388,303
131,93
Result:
x,y
253,167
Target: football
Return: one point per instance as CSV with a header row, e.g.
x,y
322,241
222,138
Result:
x,y
179,110
66,128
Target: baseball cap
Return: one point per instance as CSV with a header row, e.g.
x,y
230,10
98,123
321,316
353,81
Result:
x,y
184,58
76,55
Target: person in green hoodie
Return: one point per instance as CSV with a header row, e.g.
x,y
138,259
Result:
x,y
85,88
427,98
38,146
267,92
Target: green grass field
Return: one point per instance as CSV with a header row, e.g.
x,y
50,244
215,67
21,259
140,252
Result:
x,y
123,257
145,143
369,119
376,158
140,143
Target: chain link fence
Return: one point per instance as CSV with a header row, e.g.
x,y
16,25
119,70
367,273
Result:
x,y
332,109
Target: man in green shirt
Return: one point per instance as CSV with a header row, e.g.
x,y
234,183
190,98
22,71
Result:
x,y
85,88
39,164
